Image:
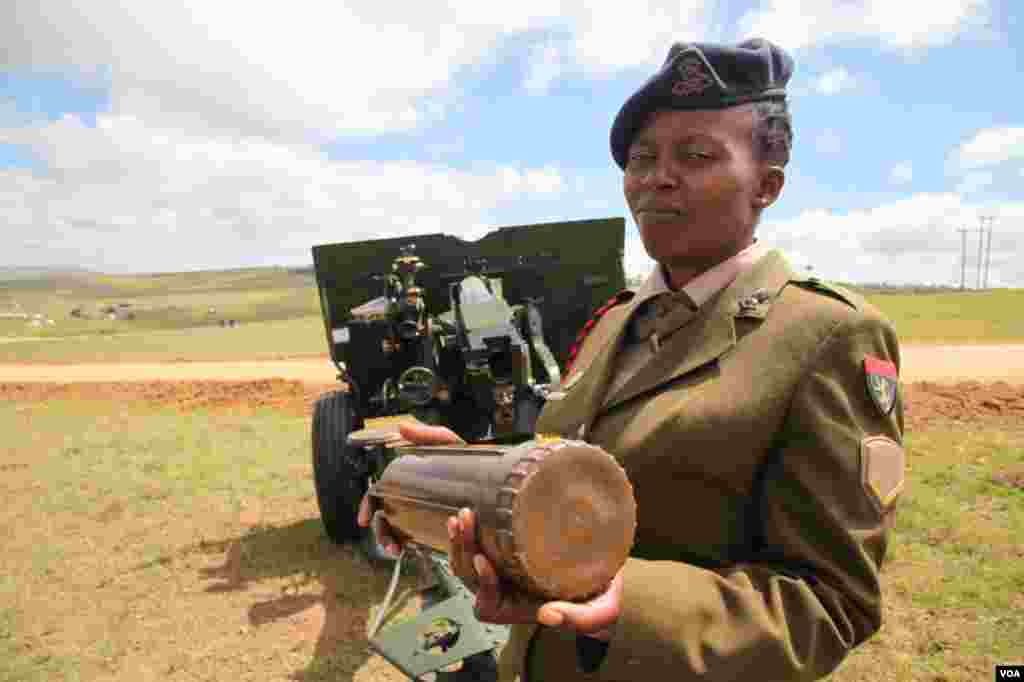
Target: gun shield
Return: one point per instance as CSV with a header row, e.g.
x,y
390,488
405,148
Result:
x,y
556,517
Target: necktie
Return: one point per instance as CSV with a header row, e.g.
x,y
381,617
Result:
x,y
661,316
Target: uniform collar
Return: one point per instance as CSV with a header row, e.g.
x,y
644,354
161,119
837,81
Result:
x,y
708,283
711,333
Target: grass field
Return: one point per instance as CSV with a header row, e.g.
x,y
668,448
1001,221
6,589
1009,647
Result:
x,y
158,302
956,317
279,315
156,545
278,312
252,341
149,544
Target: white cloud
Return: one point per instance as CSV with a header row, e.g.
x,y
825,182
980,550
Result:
x,y
902,173
835,81
128,195
901,26
610,36
910,241
913,240
828,141
301,68
635,260
989,147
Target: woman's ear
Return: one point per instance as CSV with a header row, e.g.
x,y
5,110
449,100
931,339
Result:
x,y
770,186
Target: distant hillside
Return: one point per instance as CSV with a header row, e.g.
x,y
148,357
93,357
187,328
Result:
x,y
11,273
83,302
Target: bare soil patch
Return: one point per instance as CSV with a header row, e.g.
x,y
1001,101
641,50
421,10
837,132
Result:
x,y
924,401
285,395
317,369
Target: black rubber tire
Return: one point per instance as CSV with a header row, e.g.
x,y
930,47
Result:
x,y
341,479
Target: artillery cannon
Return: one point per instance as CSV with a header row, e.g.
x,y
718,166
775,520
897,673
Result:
x,y
468,335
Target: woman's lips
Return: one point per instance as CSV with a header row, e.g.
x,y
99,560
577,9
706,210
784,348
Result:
x,y
659,213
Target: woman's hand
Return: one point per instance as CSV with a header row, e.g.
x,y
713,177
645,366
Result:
x,y
499,602
418,434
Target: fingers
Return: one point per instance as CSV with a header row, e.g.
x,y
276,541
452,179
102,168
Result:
x,y
498,602
382,534
462,546
363,517
592,618
424,434
378,526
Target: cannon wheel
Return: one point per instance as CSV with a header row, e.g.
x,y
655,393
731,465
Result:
x,y
340,476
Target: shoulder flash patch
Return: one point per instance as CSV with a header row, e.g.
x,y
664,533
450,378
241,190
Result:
x,y
828,289
621,297
882,383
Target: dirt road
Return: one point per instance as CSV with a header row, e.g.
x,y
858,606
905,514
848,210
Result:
x,y
920,363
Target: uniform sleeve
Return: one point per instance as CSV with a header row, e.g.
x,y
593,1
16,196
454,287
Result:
x,y
809,591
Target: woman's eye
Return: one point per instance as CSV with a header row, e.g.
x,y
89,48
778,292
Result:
x,y
638,161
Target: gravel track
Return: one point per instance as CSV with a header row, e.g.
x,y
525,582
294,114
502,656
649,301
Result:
x,y
947,364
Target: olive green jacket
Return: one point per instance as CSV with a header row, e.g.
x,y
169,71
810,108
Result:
x,y
765,476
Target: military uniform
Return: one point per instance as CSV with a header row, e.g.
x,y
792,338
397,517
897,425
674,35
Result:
x,y
762,437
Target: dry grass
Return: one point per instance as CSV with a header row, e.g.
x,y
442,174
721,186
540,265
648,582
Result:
x,y
142,543
955,579
954,317
161,546
267,340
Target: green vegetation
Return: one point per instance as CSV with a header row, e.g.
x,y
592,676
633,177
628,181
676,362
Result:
x,y
143,543
955,316
955,577
278,312
157,302
253,341
155,545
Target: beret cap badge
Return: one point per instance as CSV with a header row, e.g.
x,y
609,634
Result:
x,y
693,78
696,76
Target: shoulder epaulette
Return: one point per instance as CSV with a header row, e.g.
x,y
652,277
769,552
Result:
x,y
828,289
621,297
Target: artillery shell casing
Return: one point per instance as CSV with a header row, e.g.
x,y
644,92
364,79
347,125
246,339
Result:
x,y
556,517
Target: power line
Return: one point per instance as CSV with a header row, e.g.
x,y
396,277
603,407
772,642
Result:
x,y
981,241
963,256
986,222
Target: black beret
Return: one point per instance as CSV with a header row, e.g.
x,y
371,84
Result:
x,y
704,76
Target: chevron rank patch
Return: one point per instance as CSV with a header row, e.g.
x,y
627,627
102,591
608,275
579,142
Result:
x,y
882,383
882,470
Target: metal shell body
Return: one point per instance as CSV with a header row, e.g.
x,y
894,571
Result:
x,y
557,517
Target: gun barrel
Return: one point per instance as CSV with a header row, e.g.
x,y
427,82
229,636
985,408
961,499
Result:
x,y
556,517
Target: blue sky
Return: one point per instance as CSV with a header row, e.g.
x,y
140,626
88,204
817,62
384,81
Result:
x,y
186,135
